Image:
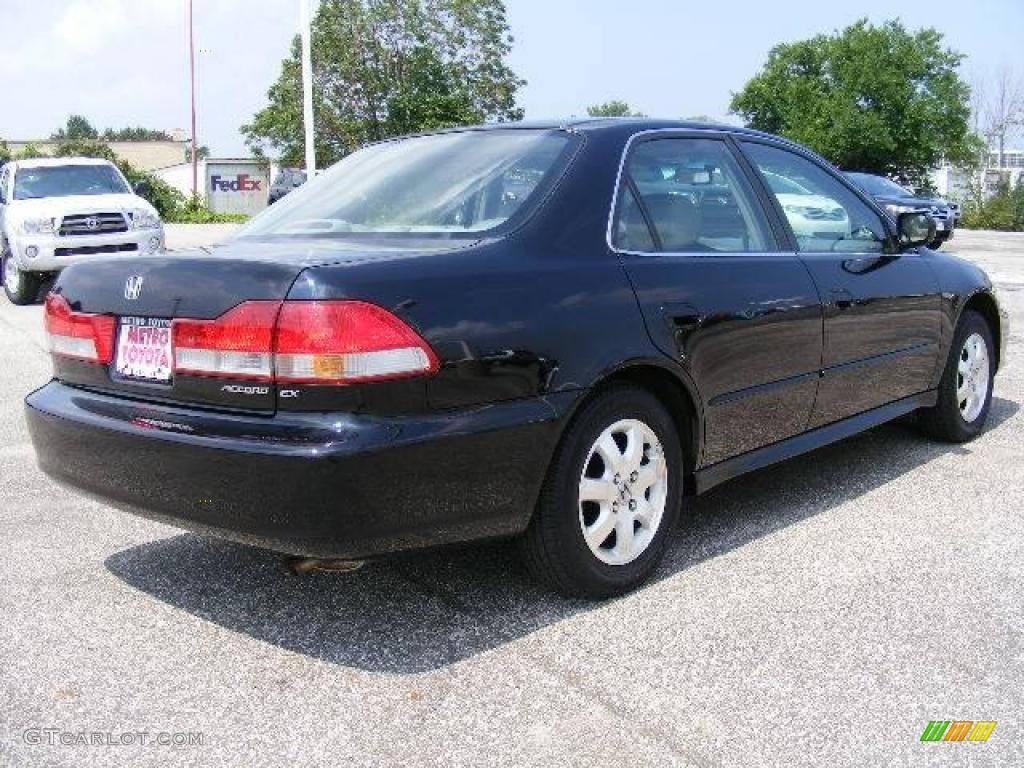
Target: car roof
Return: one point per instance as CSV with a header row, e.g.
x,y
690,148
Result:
x,y
51,162
610,124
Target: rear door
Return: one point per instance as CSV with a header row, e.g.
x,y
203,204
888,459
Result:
x,y
882,307
717,291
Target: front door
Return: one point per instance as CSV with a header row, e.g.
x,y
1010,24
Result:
x,y
718,294
882,309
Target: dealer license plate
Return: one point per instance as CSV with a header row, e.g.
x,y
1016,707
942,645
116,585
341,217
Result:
x,y
144,349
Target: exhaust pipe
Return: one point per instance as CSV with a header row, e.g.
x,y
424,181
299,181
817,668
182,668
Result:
x,y
304,565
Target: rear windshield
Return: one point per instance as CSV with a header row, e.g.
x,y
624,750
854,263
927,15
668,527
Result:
x,y
67,180
446,185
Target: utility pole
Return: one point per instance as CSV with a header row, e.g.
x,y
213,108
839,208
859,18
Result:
x,y
307,88
192,76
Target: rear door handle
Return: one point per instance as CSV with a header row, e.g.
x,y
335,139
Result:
x,y
684,323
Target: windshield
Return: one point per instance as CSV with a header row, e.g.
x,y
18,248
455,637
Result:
x,y
67,180
879,185
446,184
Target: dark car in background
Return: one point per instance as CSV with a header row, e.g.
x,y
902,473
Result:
x,y
287,180
896,199
554,332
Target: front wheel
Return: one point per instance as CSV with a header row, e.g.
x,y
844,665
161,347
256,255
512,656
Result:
x,y
21,287
936,243
610,499
965,391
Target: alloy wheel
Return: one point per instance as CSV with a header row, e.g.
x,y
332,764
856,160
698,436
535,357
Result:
x,y
972,377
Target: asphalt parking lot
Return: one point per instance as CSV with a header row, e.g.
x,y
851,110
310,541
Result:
x,y
819,612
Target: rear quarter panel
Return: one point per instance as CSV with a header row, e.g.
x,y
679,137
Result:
x,y
546,309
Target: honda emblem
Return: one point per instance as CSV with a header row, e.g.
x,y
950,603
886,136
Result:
x,y
133,287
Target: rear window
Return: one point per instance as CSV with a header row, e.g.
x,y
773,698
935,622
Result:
x,y
67,180
446,185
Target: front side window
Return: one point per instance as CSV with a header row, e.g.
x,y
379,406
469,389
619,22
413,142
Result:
x,y
823,213
67,180
444,185
694,197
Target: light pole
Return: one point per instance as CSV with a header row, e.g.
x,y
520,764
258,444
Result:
x,y
307,87
192,77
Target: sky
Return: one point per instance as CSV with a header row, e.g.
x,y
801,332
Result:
x,y
124,62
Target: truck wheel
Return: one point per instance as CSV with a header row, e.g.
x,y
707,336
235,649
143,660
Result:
x,y
21,287
611,497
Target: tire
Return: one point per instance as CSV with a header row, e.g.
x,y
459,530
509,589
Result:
x,y
643,496
936,243
962,409
21,287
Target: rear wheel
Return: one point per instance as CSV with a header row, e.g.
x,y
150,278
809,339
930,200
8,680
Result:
x,y
21,287
965,391
610,499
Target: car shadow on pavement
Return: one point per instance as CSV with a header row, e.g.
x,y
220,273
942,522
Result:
x,y
424,611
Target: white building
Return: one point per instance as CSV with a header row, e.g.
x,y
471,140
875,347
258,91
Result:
x,y
955,184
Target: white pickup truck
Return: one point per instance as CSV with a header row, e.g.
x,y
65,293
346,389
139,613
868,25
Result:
x,y
57,211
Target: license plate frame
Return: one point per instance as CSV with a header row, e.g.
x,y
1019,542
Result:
x,y
144,352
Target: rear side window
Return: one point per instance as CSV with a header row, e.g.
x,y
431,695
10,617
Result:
x,y
694,197
823,213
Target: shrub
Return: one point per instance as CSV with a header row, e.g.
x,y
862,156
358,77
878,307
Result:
x,y
194,211
1003,211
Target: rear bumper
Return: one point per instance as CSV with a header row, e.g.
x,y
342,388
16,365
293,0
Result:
x,y
320,485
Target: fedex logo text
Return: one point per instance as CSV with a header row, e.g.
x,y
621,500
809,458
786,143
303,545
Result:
x,y
240,183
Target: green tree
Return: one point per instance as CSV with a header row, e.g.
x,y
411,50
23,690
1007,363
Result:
x,y
386,67
871,98
5,152
28,151
77,128
204,152
84,148
137,133
613,108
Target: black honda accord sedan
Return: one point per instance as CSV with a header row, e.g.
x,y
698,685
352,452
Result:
x,y
555,332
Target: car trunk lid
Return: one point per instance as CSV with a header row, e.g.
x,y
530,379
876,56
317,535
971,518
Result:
x,y
244,281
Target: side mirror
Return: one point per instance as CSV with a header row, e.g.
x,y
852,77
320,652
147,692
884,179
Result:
x,y
915,229
142,188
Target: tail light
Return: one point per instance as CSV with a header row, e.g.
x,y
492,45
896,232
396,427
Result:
x,y
238,344
340,342
312,342
78,335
